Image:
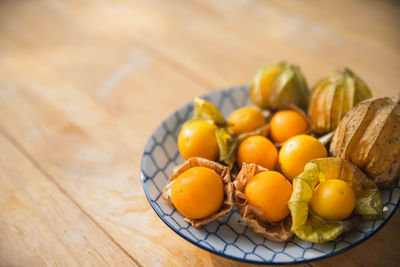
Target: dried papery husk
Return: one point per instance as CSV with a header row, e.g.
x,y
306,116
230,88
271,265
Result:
x,y
369,136
221,170
253,215
332,97
279,86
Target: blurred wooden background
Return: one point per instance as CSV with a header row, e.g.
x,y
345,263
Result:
x,y
83,84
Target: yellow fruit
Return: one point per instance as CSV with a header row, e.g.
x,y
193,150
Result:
x,y
246,119
198,139
287,123
270,191
259,150
198,193
333,199
297,151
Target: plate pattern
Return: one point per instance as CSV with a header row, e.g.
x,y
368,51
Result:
x,y
228,237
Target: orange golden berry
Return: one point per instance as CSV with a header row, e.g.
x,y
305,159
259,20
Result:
x,y
297,152
270,191
246,119
198,139
333,199
287,123
259,150
198,193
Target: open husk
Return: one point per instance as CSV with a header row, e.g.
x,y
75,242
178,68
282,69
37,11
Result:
x,y
221,170
307,225
369,136
332,97
278,232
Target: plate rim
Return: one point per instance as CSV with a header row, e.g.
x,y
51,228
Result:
x,y
144,178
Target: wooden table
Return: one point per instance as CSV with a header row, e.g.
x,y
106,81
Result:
x,y
83,84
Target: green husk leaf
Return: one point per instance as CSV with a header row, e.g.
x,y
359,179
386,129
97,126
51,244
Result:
x,y
309,226
258,93
227,145
318,230
362,90
204,110
300,88
280,88
288,87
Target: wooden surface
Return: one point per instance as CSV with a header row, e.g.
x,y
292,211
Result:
x,y
83,84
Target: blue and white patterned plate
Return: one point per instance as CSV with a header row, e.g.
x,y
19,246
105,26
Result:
x,y
228,237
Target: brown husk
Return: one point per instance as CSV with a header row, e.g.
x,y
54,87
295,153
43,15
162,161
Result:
x,y
369,136
252,215
221,170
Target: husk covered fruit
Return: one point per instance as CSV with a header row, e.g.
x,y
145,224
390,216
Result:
x,y
279,86
369,136
307,225
280,231
332,97
221,170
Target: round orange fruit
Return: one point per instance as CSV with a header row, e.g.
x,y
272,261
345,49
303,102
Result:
x,y
270,191
287,123
297,152
333,199
198,193
259,150
246,119
198,139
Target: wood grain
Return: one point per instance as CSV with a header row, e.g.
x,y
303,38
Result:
x,y
93,164
40,224
84,83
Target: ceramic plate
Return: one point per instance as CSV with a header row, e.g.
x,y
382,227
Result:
x,y
228,237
